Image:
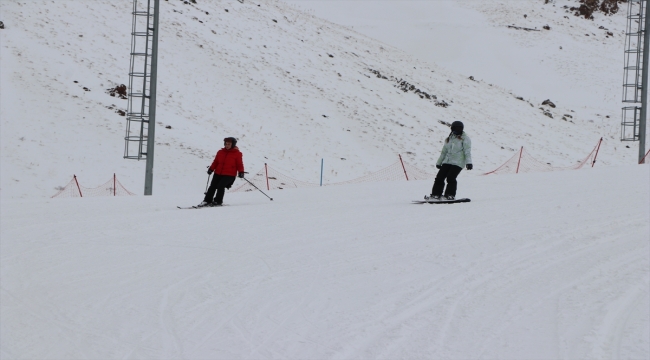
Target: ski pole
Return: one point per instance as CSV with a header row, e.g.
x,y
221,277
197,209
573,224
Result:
x,y
257,188
206,184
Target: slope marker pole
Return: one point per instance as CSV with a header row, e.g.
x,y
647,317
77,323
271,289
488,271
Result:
x,y
519,161
75,180
403,168
597,148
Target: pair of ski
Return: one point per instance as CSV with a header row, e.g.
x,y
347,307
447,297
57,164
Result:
x,y
198,207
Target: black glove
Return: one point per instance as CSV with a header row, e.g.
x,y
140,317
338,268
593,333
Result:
x,y
241,175
469,166
210,171
438,167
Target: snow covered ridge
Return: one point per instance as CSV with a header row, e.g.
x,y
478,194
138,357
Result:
x,y
293,88
484,39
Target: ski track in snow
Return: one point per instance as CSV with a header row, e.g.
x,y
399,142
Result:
x,y
548,265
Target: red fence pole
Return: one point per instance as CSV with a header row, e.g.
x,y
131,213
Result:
x,y
75,180
597,148
266,170
519,161
400,160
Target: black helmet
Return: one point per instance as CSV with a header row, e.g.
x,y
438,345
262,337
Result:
x,y
457,127
232,140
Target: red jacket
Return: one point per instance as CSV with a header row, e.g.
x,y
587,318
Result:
x,y
228,162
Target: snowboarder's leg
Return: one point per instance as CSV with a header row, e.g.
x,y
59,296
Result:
x,y
439,183
452,184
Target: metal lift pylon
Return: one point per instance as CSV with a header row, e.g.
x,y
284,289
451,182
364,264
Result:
x,y
635,78
141,112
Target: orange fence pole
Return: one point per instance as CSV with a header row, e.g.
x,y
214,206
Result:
x,y
597,148
519,161
400,160
75,180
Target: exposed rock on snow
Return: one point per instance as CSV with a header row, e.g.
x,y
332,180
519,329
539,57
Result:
x,y
119,91
549,103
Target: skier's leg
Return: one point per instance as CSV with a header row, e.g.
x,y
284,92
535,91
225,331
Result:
x,y
439,183
224,183
219,197
452,184
213,187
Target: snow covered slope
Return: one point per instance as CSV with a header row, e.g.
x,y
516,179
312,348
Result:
x,y
536,48
294,88
537,266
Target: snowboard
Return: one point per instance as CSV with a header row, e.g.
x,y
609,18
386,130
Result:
x,y
441,201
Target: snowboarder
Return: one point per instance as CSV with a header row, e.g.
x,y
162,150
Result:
x,y
456,154
227,164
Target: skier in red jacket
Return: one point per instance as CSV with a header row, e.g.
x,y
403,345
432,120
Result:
x,y
226,166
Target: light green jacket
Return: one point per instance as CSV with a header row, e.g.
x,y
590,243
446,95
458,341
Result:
x,y
458,151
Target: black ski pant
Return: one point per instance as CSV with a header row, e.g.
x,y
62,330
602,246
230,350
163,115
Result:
x,y
450,173
219,185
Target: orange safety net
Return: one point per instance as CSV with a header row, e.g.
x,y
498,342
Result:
x,y
110,188
523,162
278,180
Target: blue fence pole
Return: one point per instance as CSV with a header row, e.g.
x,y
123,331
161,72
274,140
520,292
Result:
x,y
321,172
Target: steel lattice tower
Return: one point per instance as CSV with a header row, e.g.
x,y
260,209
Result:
x,y
635,79
141,111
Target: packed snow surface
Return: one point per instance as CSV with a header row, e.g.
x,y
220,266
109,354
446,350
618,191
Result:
x,y
546,265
